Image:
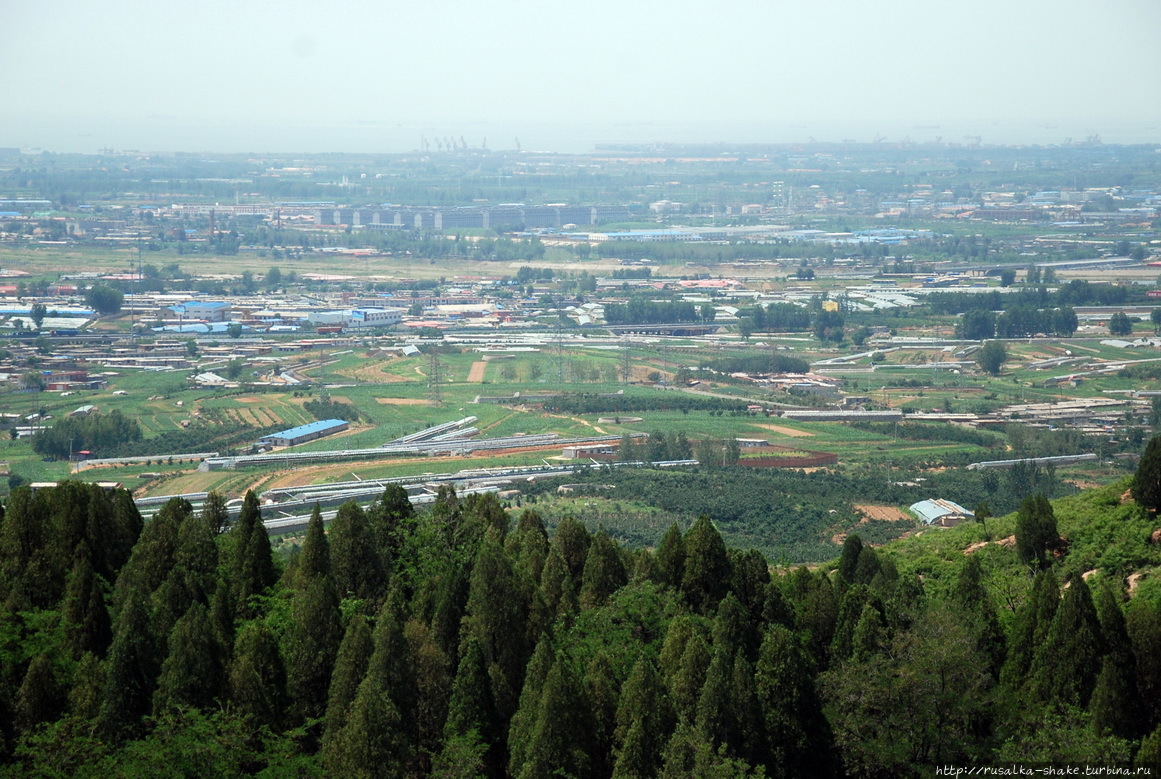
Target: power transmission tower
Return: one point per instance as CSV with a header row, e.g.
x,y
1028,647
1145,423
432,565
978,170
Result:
x,y
559,336
435,377
626,361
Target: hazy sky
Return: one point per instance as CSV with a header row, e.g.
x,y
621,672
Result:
x,y
339,75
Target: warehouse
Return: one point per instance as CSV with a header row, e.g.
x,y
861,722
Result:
x,y
304,433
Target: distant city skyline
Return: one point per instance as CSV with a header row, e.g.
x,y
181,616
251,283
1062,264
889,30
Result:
x,y
303,77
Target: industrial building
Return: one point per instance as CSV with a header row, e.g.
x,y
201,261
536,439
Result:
x,y
304,433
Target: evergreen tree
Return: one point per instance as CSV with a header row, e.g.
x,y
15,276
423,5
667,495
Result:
x,y
390,663
1065,666
258,677
870,635
87,619
193,675
371,743
312,642
132,672
557,744
557,587
849,559
350,668
472,717
749,582
979,614
671,557
433,680
794,724
685,687
497,617
604,572
1143,623
355,565
1030,627
528,544
1146,487
707,569
40,698
1036,533
523,722
215,513
714,717
602,690
572,541
849,614
314,560
84,699
643,722
1113,703
251,564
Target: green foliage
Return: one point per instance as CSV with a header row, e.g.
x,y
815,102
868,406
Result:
x,y
94,432
331,409
992,356
1146,486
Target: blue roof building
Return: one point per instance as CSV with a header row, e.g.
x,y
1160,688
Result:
x,y
304,433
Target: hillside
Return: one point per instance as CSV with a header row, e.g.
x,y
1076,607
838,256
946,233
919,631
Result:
x,y
464,641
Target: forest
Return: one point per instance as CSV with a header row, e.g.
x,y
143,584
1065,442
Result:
x,y
460,642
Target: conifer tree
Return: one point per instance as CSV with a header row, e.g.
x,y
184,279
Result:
x,y
707,569
571,540
869,638
523,722
557,744
1143,624
372,741
356,567
677,637
1066,664
84,699
132,672
714,717
258,676
89,626
1036,532
1146,487
193,675
251,564
196,558
124,529
497,616
557,587
749,733
41,697
643,722
350,668
685,687
849,558
749,581
312,643
1113,706
1030,627
314,560
794,724
214,513
602,690
528,544
671,557
975,606
152,557
451,601
850,611
604,572
433,680
390,662
472,718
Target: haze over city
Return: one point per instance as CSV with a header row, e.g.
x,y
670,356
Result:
x,y
299,76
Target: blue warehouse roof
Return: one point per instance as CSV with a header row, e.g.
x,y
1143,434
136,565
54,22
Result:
x,y
313,427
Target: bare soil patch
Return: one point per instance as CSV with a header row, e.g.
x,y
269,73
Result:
x,y
249,399
478,371
883,513
788,431
403,401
